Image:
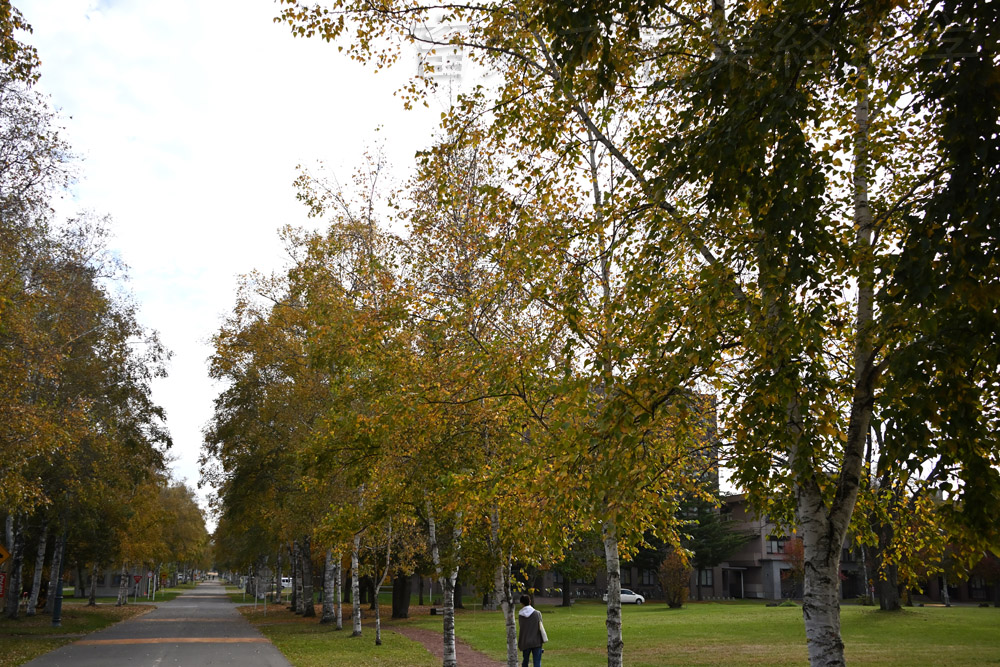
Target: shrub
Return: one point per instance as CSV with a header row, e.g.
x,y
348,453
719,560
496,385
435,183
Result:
x,y
675,578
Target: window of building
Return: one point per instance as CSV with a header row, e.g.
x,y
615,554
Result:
x,y
557,577
775,545
648,577
706,577
977,587
627,576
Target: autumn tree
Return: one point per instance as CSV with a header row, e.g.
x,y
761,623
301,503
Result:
x,y
815,228
263,419
674,575
18,58
185,534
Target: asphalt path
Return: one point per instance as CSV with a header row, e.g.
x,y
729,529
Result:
x,y
198,628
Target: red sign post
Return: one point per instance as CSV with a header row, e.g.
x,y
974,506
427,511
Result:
x,y
137,577
3,584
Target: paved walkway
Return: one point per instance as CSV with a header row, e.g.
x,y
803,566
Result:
x,y
198,628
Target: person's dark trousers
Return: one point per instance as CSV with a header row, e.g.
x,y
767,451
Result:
x,y
535,653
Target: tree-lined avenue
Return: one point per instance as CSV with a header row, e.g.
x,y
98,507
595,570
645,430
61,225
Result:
x,y
199,628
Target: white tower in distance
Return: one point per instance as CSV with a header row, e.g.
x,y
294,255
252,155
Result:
x,y
438,60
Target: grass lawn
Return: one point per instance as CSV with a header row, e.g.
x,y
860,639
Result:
x,y
306,643
27,638
747,633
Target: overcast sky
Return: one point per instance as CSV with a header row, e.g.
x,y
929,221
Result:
x,y
190,117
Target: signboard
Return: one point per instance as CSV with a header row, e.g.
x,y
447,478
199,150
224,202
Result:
x,y
3,584
137,577
149,575
4,555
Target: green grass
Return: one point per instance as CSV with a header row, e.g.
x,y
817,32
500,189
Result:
x,y
29,637
748,633
309,644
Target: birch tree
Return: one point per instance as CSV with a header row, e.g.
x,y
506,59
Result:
x,y
801,216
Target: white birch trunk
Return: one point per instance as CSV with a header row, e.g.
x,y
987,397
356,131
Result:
x,y
447,585
277,577
329,586
355,588
821,584
823,526
503,596
450,652
614,614
36,582
55,567
14,570
509,615
338,593
122,587
297,581
378,587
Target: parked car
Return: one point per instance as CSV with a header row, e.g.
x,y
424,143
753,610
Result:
x,y
286,582
629,597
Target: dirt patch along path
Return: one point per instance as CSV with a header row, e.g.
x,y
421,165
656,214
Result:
x,y
431,639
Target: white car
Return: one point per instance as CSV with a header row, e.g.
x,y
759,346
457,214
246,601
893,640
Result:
x,y
629,597
286,582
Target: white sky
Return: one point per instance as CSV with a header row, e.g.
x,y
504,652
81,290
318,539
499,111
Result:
x,y
191,116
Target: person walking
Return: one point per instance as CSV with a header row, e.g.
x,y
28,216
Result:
x,y
530,633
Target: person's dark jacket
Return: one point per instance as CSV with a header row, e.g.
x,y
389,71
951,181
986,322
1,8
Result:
x,y
529,633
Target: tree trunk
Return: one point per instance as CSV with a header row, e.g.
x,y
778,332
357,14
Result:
x,y
92,601
420,590
401,595
355,588
55,572
294,558
450,652
888,588
14,571
567,592
945,595
308,604
371,592
821,604
280,590
888,573
329,586
378,585
869,591
80,585
338,592
614,615
122,587
36,582
824,522
507,606
447,584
